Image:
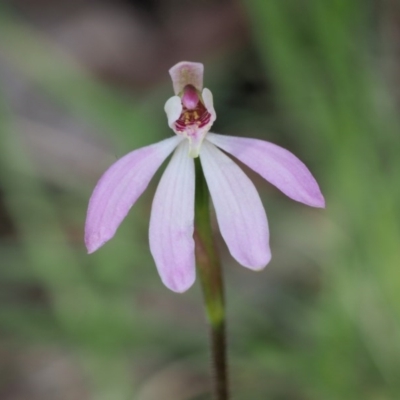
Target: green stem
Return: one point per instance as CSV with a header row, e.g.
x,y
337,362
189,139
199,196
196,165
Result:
x,y
210,272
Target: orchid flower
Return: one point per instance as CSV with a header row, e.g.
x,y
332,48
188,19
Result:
x,y
239,210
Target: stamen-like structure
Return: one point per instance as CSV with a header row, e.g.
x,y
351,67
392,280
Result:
x,y
194,114
196,118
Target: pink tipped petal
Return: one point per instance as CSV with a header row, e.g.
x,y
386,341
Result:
x,y
187,73
275,164
209,103
240,213
119,188
171,223
173,109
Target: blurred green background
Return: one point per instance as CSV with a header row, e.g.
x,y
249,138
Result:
x,y
84,82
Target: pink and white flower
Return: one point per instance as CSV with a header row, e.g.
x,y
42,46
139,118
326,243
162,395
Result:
x,y
239,210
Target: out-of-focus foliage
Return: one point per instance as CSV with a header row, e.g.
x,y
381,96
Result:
x,y
321,322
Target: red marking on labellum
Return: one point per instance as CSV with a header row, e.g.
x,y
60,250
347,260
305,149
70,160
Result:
x,y
199,116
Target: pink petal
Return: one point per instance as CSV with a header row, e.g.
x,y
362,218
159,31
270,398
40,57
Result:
x,y
275,164
240,213
171,222
119,188
187,73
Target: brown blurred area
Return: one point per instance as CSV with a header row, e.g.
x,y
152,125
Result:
x,y
131,44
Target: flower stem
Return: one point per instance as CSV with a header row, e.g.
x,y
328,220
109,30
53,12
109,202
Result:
x,y
210,272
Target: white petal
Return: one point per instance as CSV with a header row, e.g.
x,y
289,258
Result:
x,y
240,213
275,164
209,103
173,109
119,188
172,222
187,73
